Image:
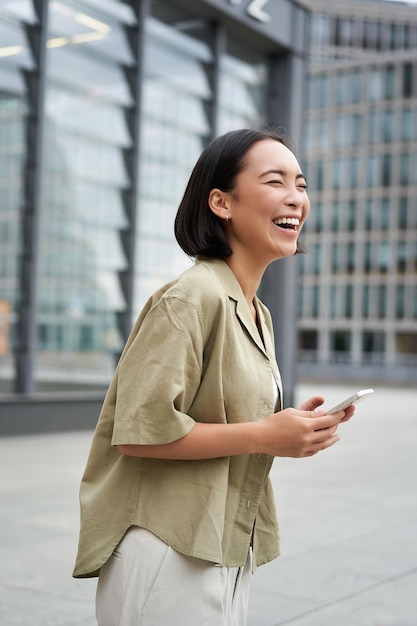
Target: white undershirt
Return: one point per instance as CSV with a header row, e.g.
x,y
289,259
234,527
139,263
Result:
x,y
276,390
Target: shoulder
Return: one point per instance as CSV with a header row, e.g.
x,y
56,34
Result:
x,y
202,285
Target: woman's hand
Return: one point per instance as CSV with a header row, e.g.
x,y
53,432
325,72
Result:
x,y
316,401
300,433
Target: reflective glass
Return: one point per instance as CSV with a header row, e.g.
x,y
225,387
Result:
x,y
320,30
357,86
243,75
176,92
75,113
404,168
403,213
389,86
399,301
375,84
388,126
14,47
21,9
407,83
15,56
84,179
406,124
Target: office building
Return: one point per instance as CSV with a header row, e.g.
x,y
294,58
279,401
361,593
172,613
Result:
x,y
358,296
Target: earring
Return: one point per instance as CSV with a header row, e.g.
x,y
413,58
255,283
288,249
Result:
x,y
227,217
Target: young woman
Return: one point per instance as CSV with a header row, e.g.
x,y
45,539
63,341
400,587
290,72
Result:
x,y
176,503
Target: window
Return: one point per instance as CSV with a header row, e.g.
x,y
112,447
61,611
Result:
x,y
308,340
403,213
399,301
375,84
404,168
386,170
382,295
351,215
320,30
389,82
385,213
407,82
373,347
340,343
357,86
388,126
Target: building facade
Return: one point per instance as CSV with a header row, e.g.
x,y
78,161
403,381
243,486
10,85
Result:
x,y
105,105
358,296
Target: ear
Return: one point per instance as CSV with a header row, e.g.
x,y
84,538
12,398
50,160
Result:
x,y
219,203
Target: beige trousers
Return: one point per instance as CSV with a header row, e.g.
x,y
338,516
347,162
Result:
x,y
147,583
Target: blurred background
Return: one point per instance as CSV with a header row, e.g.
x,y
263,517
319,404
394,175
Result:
x,y
105,106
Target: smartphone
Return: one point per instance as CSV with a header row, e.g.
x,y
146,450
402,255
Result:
x,y
363,393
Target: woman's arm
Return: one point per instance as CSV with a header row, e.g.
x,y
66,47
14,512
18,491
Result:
x,y
292,433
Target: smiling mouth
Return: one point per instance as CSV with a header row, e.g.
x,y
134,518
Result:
x,y
288,223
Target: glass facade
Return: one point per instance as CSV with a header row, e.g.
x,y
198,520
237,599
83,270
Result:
x,y
361,160
105,105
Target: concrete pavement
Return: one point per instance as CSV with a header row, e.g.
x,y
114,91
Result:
x,y
348,522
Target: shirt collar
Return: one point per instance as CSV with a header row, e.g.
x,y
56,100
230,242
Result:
x,y
234,291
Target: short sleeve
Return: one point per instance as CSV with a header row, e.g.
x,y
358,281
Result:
x,y
159,375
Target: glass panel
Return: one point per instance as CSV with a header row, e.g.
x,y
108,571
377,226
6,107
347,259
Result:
x,y
15,56
21,9
14,48
375,85
357,93
245,76
91,29
404,168
340,342
406,124
403,213
388,126
74,113
320,29
407,86
389,82
84,179
175,125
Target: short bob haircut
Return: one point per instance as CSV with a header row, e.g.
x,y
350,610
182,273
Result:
x,y
197,229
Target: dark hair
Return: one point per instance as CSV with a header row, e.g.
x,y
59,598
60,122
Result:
x,y
197,230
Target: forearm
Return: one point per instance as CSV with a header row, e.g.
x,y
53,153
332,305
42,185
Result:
x,y
204,441
291,432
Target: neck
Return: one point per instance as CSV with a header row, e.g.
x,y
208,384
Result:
x,y
248,275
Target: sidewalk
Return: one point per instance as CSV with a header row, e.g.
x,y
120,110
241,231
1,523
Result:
x,y
348,523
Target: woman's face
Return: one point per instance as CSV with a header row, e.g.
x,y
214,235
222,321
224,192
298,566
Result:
x,y
269,204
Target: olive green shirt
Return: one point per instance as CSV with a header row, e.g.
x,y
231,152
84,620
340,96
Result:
x,y
194,354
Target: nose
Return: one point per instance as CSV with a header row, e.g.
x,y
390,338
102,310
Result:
x,y
295,197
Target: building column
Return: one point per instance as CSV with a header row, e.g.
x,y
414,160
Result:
x,y
26,326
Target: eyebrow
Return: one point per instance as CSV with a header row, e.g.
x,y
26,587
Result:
x,y
281,173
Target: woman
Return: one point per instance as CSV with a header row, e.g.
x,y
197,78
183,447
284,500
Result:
x,y
176,503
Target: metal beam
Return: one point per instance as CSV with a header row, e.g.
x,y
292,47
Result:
x,y
26,335
135,78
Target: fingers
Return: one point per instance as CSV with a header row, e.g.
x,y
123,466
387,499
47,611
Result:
x,y
312,403
322,445
322,420
348,413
